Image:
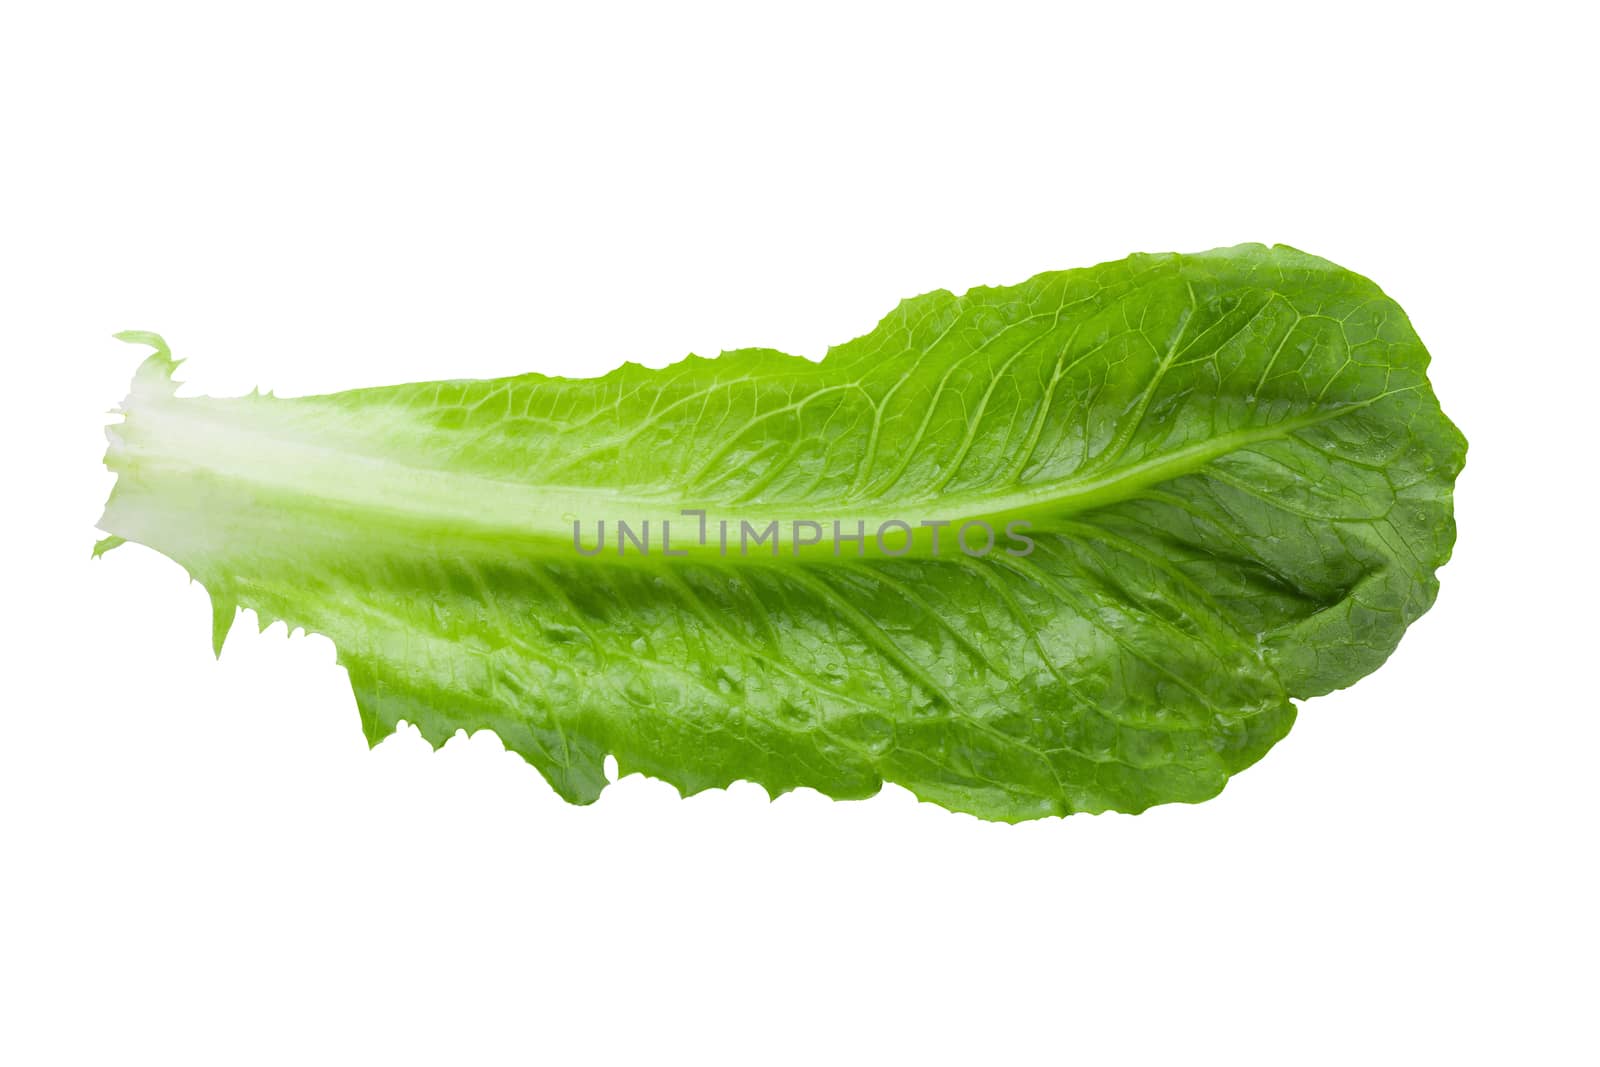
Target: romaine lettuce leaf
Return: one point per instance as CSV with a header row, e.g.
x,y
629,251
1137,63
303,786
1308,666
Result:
x,y
1211,483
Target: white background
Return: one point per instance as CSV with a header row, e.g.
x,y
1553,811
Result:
x,y
201,862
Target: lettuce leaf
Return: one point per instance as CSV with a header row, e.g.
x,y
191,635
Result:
x,y
1211,483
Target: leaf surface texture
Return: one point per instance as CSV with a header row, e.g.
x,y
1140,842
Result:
x,y
1234,474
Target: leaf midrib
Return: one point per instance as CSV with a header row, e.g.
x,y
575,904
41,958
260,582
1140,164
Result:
x,y
180,437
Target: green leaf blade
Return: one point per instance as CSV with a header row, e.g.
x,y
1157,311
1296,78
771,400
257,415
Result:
x,y
1236,479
